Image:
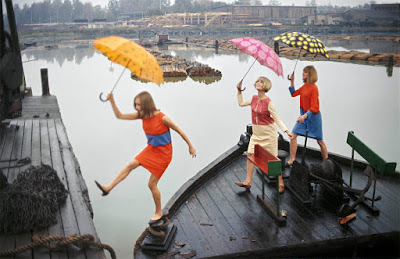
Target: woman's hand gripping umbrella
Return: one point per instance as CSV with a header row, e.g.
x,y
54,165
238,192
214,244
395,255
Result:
x,y
261,52
132,56
302,41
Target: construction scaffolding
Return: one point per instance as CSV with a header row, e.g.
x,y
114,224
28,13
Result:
x,y
197,19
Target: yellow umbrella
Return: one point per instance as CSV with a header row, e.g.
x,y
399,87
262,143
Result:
x,y
132,56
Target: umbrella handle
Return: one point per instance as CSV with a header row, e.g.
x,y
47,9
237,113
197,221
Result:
x,y
241,90
288,76
101,99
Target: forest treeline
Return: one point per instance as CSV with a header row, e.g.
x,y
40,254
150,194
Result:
x,y
64,11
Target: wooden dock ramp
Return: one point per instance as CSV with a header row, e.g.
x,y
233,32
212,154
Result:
x,y
41,135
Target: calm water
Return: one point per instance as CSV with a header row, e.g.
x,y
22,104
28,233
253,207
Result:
x,y
353,97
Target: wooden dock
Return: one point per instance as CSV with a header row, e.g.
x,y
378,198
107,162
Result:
x,y
41,135
216,218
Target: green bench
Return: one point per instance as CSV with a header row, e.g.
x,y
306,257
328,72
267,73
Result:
x,y
271,166
375,161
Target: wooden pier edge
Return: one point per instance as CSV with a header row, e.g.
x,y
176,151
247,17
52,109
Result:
x,y
39,133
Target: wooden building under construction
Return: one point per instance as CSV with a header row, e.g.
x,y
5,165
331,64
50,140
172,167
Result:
x,y
230,15
266,13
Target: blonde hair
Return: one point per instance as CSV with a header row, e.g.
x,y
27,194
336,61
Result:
x,y
312,75
146,103
266,82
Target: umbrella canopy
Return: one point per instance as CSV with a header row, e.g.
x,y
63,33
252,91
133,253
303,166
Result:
x,y
132,56
303,41
259,50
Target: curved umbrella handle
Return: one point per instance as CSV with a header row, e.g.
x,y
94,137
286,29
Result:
x,y
241,90
101,99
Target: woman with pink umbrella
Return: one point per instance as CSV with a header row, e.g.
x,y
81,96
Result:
x,y
263,113
264,117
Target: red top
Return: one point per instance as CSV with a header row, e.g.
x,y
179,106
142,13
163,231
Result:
x,y
259,111
308,97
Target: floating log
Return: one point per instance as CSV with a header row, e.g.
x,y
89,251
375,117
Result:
x,y
179,67
343,56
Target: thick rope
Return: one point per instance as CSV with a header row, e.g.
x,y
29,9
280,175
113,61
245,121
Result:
x,y
82,241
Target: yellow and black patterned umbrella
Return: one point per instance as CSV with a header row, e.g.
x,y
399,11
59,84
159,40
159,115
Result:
x,y
303,41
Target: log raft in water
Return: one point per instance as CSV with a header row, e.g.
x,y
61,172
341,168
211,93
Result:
x,y
176,66
176,69
341,56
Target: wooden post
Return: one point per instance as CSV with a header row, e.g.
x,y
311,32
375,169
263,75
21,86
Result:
x,y
276,47
45,81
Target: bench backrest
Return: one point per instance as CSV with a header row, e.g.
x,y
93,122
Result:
x,y
370,156
274,163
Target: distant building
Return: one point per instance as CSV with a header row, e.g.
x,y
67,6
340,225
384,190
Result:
x,y
393,8
323,19
265,13
371,17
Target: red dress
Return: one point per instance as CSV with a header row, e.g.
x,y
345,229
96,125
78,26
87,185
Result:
x,y
158,154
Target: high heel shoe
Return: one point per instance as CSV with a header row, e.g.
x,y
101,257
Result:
x,y
246,186
104,193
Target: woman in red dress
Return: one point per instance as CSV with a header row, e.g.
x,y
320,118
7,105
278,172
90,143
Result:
x,y
158,153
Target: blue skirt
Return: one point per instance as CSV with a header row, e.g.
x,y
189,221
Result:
x,y
312,123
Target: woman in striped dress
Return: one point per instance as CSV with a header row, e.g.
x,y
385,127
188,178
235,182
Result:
x,y
158,153
264,117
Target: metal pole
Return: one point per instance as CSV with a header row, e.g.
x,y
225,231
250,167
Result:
x,y
2,38
351,166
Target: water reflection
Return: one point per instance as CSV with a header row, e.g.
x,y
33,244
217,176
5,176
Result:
x,y
59,56
352,97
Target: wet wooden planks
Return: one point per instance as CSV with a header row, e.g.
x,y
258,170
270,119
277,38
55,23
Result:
x,y
221,219
44,139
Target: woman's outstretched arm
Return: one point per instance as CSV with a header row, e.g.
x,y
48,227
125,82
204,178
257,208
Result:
x,y
118,114
170,124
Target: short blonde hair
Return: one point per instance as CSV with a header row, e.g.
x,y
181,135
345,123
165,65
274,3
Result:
x,y
312,75
266,82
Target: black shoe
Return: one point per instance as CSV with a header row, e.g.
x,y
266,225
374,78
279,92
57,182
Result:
x,y
287,165
101,188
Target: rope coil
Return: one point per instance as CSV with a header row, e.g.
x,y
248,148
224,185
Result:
x,y
57,242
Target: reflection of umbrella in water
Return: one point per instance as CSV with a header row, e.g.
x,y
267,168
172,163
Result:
x,y
261,52
132,56
302,41
175,79
171,79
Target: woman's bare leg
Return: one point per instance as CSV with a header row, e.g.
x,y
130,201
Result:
x,y
293,149
156,196
250,170
324,149
121,175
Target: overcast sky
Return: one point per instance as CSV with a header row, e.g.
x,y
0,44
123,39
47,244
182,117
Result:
x,y
283,2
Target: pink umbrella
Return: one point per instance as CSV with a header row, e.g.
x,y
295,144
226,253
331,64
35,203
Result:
x,y
261,52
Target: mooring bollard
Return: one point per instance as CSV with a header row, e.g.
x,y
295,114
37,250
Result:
x,y
276,47
45,81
